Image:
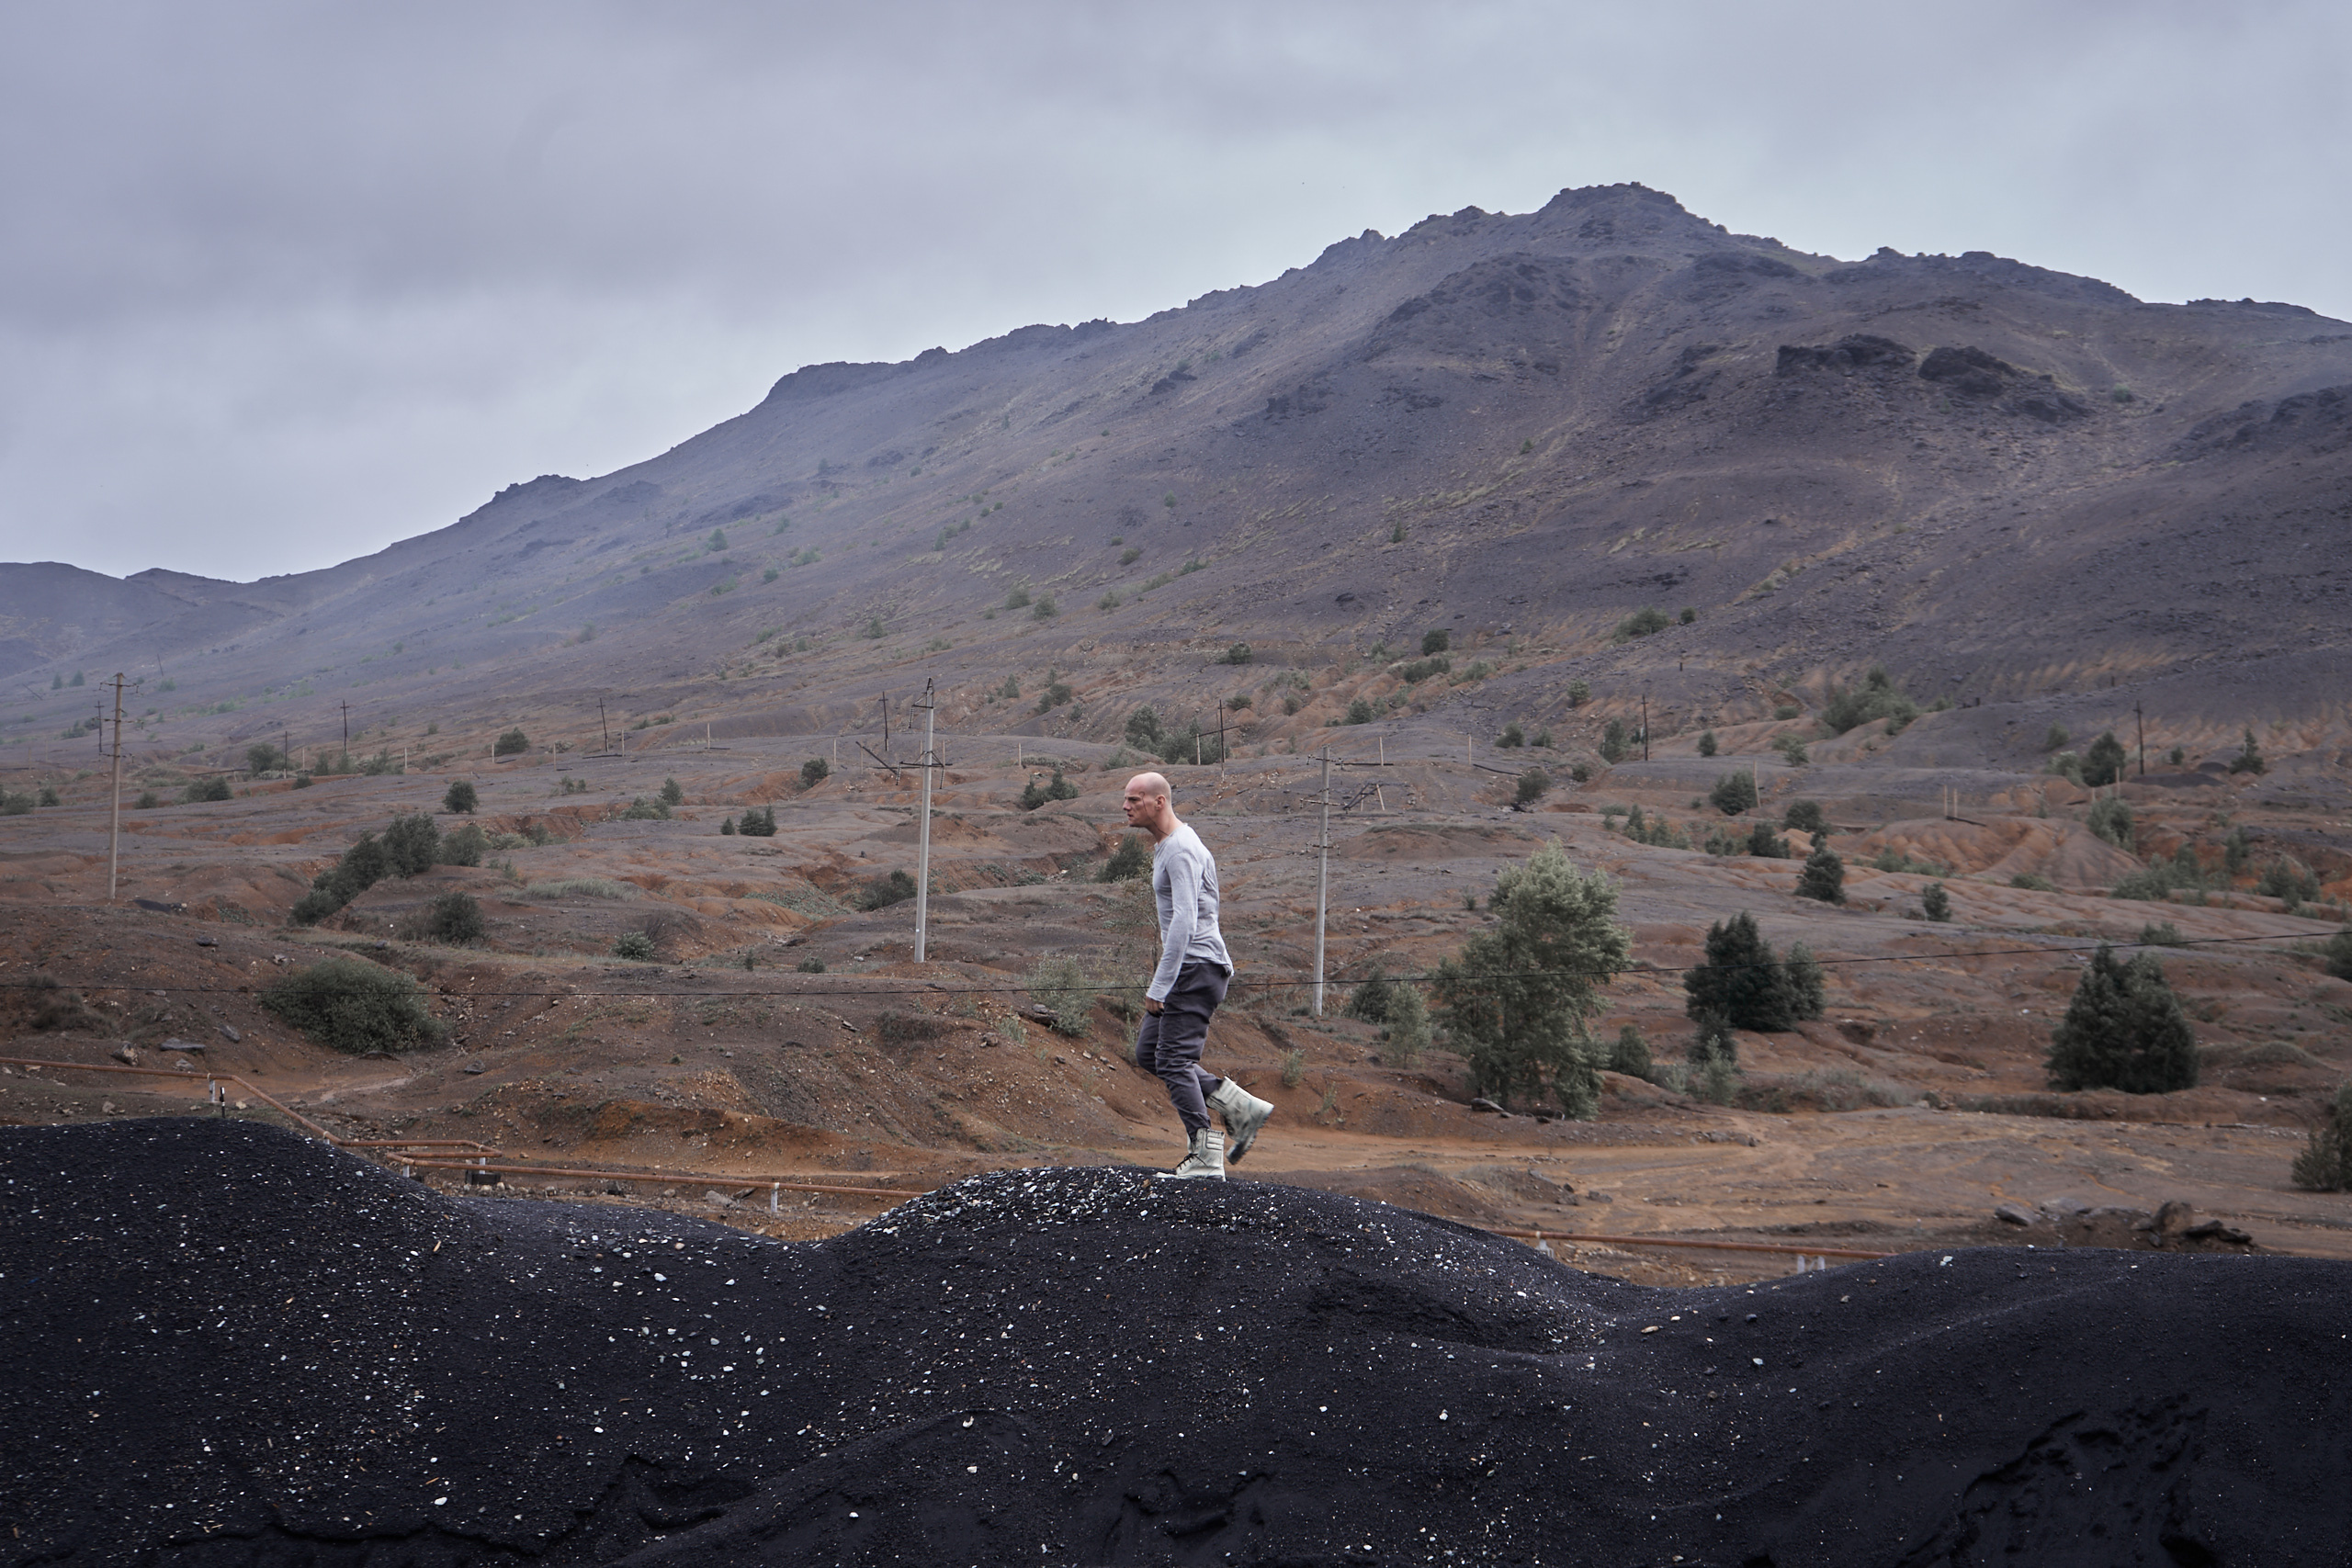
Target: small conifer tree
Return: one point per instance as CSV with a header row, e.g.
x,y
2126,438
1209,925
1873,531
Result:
x,y
1824,876
1631,1053
2103,763
460,797
2123,1030
1707,746
1733,793
1935,902
1743,982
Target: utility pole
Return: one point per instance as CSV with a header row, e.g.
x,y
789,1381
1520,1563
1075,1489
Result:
x,y
114,826
347,736
2144,736
602,725
1646,724
1322,880
930,705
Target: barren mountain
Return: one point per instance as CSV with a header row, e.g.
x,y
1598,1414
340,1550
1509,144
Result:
x,y
2002,483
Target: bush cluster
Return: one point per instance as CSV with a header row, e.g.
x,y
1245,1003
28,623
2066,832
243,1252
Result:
x,y
348,1004
410,844
1877,697
1032,796
1130,860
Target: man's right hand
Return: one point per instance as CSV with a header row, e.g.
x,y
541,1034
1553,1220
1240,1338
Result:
x,y
1153,1008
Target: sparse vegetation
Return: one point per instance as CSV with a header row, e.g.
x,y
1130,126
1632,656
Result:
x,y
214,788
758,822
1877,697
1532,786
1238,654
813,772
2026,881
2123,1030
1579,693
2111,818
512,743
884,891
460,798
1791,748
1060,987
635,946
2325,1164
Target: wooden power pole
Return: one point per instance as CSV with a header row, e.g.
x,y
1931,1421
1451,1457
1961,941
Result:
x,y
114,826
930,705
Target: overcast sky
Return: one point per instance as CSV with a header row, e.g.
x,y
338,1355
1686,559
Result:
x,y
280,284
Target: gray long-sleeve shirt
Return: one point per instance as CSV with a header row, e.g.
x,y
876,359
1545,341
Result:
x,y
1184,882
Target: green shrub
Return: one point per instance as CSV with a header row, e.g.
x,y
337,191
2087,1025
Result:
x,y
1436,641
1935,902
812,965
49,796
1056,694
2111,818
455,919
1044,609
874,630
1613,744
758,822
1581,773
1766,844
1791,748
1824,876
348,1004
1060,986
1512,737
2065,765
1879,696
2325,1164
727,826
214,788
2249,760
263,758
635,946
1372,996
1786,711
1745,983
2123,1030
1017,597
412,844
2103,763
2287,880
1360,711
884,891
1806,817
813,772
2155,884
510,743
2335,954
2162,933
1407,1034
460,797
466,846
1131,555
1707,745
1631,1053
1533,785
2031,883
1642,623
1131,859
672,792
1733,793
640,809
1414,671
1238,654
1579,693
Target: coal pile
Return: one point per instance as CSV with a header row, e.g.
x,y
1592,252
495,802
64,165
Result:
x,y
228,1345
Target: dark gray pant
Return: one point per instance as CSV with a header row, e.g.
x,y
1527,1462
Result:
x,y
1169,1043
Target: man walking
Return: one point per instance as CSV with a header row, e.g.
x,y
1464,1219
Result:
x,y
1188,985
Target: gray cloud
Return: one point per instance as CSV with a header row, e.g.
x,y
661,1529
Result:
x,y
282,283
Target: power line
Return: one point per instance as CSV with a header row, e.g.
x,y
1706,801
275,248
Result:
x,y
44,982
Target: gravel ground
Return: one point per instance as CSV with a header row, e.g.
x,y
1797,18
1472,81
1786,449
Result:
x,y
232,1346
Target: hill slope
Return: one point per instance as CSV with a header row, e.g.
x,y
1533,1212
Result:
x,y
2002,482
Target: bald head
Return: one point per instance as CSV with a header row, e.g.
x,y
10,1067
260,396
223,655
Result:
x,y
1146,805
